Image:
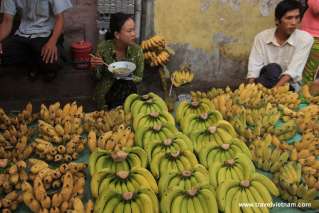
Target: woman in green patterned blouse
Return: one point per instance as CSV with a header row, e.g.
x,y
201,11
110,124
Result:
x,y
119,45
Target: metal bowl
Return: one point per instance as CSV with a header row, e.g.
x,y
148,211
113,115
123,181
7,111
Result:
x,y
121,68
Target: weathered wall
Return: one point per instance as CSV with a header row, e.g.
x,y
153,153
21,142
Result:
x,y
215,37
79,20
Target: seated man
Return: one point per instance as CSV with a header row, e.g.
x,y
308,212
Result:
x,y
279,54
38,39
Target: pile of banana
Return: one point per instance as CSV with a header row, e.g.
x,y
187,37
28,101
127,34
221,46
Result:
x,y
68,182
155,51
286,130
201,198
111,140
182,76
211,93
292,187
10,182
104,121
308,118
220,153
153,118
305,92
144,104
69,118
222,132
224,104
187,179
282,95
133,201
255,189
15,134
122,181
195,107
266,155
249,96
120,160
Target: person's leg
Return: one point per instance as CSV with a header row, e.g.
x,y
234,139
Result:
x,y
118,92
15,51
50,69
269,75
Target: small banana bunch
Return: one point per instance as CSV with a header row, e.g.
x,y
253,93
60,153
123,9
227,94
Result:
x,y
104,121
182,76
286,131
111,140
265,156
250,96
308,118
256,189
291,184
121,181
133,201
69,117
119,160
210,94
201,198
155,42
155,51
282,95
10,183
224,103
68,180
305,92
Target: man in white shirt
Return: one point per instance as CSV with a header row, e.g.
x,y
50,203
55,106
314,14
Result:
x,y
38,39
279,54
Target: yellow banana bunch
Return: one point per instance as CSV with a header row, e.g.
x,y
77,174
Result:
x,y
249,96
104,121
182,76
154,43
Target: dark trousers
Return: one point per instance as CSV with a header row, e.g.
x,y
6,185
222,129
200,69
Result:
x,y
269,75
118,92
19,50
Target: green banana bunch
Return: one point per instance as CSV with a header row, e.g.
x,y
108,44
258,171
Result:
x,y
153,118
257,189
179,142
195,107
239,168
121,160
180,160
122,181
220,133
135,201
184,179
146,134
144,104
220,153
195,122
197,199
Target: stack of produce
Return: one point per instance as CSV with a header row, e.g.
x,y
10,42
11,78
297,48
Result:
x,y
15,134
155,51
182,76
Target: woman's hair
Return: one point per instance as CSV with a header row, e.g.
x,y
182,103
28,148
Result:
x,y
286,5
117,20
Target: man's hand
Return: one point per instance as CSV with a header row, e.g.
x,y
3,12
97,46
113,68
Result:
x,y
283,80
251,80
49,52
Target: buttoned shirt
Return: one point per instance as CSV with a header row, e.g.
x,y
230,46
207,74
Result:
x,y
291,55
134,53
37,16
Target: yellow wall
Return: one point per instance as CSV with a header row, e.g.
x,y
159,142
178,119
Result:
x,y
183,21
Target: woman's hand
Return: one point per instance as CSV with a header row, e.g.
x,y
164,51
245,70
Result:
x,y
96,61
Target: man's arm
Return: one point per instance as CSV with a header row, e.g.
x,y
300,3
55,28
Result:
x,y
5,28
283,80
49,50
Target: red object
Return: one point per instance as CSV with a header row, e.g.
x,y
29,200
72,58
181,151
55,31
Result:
x,y
80,54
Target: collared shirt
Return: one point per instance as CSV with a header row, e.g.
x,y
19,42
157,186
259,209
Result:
x,y
37,16
291,56
134,53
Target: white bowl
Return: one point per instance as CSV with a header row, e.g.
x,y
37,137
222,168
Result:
x,y
122,68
